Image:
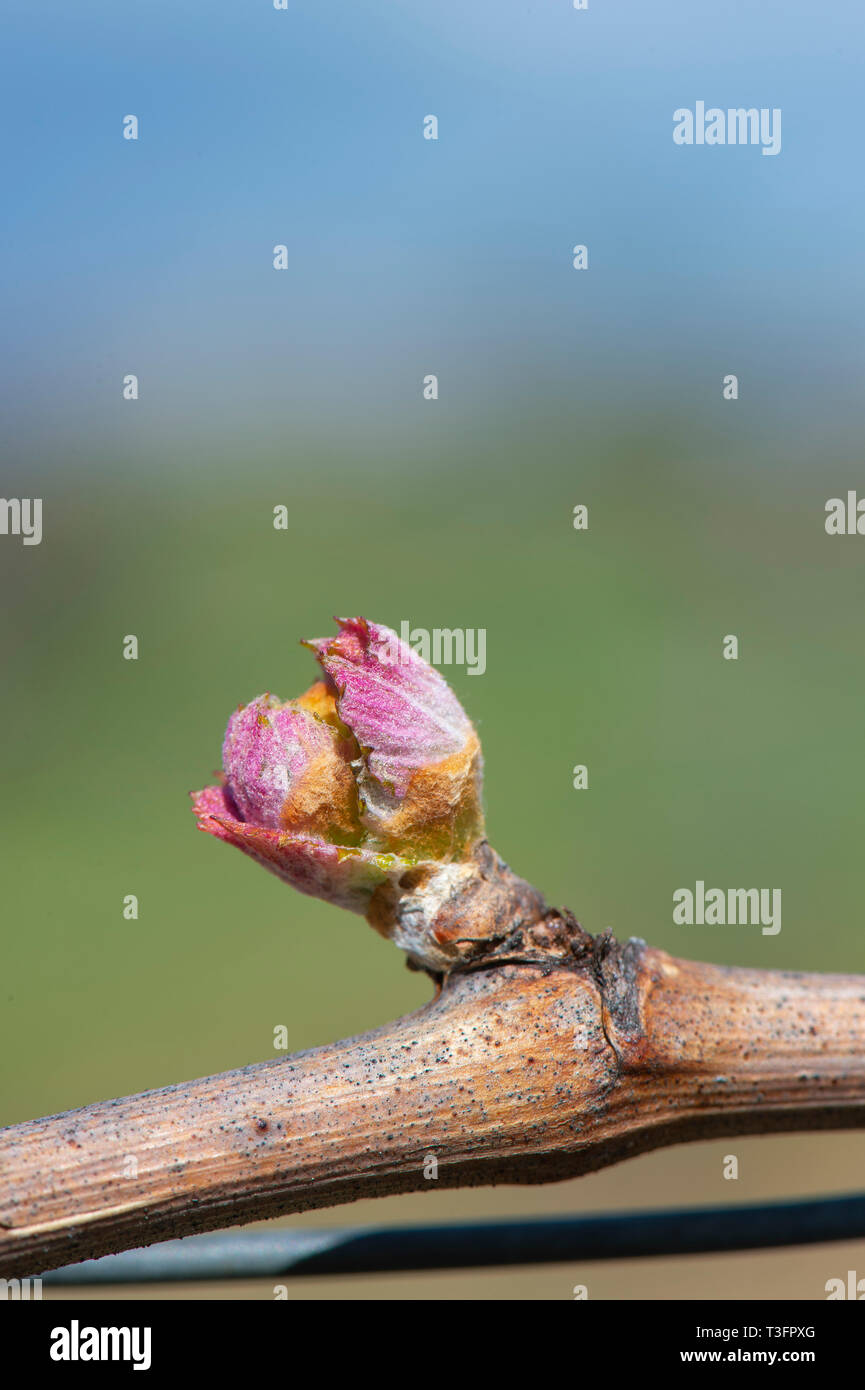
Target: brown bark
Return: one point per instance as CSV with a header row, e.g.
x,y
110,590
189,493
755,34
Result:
x,y
555,1055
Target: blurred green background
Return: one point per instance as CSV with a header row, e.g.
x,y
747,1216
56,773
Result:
x,y
603,647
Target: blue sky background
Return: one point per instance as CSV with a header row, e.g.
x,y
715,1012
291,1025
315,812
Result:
x,y
407,256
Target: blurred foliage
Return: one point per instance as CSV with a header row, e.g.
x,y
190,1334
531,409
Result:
x,y
603,647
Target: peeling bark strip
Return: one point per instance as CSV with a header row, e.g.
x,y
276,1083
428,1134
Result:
x,y
554,1055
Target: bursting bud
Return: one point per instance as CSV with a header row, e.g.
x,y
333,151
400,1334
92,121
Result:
x,y
365,791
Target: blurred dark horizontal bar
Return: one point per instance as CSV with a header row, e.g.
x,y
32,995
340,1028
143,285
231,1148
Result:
x,y
613,1236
